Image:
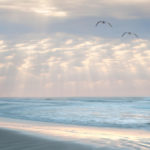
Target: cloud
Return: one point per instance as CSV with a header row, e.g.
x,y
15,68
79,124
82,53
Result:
x,y
41,7
52,48
81,65
14,9
21,18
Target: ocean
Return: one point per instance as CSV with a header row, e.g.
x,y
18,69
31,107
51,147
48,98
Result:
x,y
112,112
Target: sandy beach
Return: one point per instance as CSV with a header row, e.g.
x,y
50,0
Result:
x,y
28,135
13,140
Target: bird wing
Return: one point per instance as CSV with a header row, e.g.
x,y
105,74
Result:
x,y
109,24
98,23
135,35
123,34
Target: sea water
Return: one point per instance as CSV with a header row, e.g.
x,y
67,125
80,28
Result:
x,y
114,112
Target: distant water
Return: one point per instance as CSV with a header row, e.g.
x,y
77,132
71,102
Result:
x,y
122,112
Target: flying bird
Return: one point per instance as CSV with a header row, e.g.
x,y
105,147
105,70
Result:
x,y
103,22
129,33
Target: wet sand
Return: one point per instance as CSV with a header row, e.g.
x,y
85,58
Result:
x,y
13,140
29,135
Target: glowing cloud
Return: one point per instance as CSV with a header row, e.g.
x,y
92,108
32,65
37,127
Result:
x,y
94,64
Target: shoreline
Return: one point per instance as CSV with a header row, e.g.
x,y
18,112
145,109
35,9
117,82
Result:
x,y
13,140
105,138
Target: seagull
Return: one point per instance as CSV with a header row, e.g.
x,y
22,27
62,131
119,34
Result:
x,y
129,33
103,22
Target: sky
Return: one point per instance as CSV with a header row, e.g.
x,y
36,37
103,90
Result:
x,y
52,48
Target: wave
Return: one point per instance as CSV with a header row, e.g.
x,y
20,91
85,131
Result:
x,y
124,112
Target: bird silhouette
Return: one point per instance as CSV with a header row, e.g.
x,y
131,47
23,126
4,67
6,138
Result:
x,y
129,33
103,22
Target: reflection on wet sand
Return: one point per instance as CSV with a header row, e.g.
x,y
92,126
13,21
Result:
x,y
115,138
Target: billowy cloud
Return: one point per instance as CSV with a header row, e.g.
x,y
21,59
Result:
x,y
73,8
52,48
82,66
41,7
